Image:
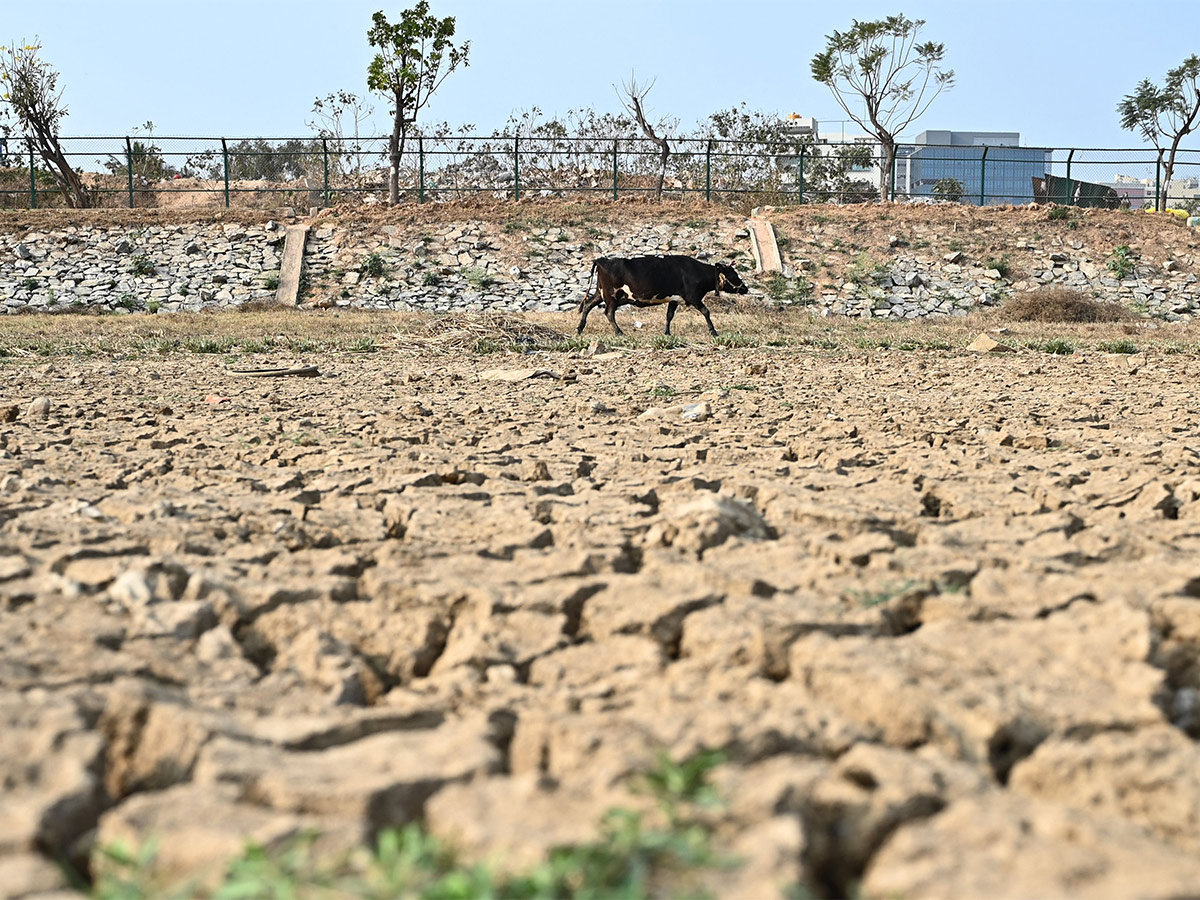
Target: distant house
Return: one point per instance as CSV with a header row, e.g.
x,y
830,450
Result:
x,y
1139,192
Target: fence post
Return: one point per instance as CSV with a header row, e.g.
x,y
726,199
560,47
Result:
x,y
225,158
420,169
1158,204
708,173
983,177
516,168
325,155
32,179
614,170
801,174
129,168
1067,199
892,180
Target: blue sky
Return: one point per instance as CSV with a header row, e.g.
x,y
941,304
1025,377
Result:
x,y
1053,70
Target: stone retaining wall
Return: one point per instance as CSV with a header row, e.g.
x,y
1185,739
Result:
x,y
478,265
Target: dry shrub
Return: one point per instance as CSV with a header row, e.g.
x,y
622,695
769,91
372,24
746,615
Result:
x,y
1059,304
469,330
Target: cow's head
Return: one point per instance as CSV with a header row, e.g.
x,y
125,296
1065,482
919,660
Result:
x,y
729,280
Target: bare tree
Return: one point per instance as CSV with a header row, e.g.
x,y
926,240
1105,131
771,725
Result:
x,y
896,78
335,113
633,96
29,92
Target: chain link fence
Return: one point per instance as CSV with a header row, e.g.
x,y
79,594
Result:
x,y
183,173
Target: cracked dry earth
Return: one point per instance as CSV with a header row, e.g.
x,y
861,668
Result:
x,y
941,611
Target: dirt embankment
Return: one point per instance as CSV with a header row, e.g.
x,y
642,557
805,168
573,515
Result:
x,y
936,609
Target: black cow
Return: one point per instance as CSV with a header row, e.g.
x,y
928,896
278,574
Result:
x,y
651,280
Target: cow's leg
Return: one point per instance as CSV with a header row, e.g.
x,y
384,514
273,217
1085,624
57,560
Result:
x,y
588,305
610,310
671,307
707,318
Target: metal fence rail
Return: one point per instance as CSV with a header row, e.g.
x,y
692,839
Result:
x,y
187,172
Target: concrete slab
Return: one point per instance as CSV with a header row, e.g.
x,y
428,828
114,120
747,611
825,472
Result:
x,y
766,250
293,260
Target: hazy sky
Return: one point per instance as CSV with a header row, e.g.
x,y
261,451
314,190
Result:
x,y
1053,70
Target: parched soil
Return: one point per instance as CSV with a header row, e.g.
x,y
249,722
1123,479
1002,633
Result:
x,y
938,609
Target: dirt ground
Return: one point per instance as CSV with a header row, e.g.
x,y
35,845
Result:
x,y
938,609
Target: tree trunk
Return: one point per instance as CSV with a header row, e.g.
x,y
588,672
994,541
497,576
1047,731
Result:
x,y
1169,170
69,183
395,149
662,171
886,166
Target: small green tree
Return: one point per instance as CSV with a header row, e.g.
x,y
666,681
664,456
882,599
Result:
x,y
949,189
28,91
415,56
895,77
1166,115
145,156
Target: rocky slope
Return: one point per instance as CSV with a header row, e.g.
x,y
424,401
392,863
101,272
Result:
x,y
891,261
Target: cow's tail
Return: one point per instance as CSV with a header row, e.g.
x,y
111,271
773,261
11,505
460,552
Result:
x,y
587,291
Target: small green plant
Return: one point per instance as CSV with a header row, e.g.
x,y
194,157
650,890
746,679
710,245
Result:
x,y
153,306
431,279
1001,264
575,342
141,265
734,339
821,343
1121,262
375,266
30,284
864,272
677,785
662,391
484,346
666,342
868,599
867,343
1059,213
123,871
127,301
1123,345
477,277
362,345
271,281
786,291
1058,347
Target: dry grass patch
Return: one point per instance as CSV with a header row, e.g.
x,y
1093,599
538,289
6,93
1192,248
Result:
x,y
1057,304
743,328
480,333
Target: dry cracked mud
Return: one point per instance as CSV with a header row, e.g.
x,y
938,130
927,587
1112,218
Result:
x,y
941,611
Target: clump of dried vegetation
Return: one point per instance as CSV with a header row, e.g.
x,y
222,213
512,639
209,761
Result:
x,y
1059,304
